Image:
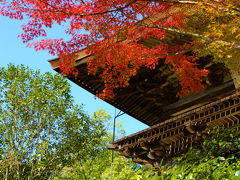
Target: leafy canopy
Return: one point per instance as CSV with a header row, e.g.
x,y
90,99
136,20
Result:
x,y
41,130
99,166
112,31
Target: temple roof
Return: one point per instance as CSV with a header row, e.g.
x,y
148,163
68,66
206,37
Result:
x,y
175,123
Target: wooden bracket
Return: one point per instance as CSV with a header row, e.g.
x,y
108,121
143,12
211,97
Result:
x,y
144,145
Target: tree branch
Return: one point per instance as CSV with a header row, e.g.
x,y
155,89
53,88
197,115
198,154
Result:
x,y
195,35
85,177
88,14
195,3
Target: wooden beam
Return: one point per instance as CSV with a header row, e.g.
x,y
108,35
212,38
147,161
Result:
x,y
205,96
128,151
112,146
236,78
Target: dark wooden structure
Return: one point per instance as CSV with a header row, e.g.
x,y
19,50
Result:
x,y
175,124
174,136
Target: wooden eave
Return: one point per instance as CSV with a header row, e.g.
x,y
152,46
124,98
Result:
x,y
151,96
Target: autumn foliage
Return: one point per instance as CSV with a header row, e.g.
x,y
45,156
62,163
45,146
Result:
x,y
112,31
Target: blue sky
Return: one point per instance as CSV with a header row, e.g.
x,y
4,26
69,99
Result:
x,y
12,50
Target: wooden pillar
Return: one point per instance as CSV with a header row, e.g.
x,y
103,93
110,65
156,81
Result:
x,y
236,79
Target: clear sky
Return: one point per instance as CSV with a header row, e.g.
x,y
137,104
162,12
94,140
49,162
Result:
x,y
12,50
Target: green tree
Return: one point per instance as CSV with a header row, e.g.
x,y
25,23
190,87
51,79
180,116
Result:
x,y
99,166
41,129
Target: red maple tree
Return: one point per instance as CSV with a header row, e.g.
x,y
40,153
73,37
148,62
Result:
x,y
112,31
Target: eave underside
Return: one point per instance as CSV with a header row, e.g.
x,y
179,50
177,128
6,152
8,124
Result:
x,y
151,97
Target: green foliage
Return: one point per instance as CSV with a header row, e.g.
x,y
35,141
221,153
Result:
x,y
99,165
41,129
219,158
43,135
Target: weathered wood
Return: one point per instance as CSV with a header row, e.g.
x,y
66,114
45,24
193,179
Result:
x,y
112,146
168,139
144,145
123,153
127,92
206,96
236,78
158,86
151,155
139,160
128,151
159,153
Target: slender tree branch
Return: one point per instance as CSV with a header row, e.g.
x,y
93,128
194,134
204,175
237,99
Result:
x,y
83,2
85,177
234,8
195,3
195,35
89,14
